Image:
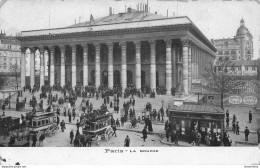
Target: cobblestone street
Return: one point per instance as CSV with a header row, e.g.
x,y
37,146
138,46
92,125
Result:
x,y
62,139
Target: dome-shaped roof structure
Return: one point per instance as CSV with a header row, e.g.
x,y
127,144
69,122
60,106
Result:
x,y
242,30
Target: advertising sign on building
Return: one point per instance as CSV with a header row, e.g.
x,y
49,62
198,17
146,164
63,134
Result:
x,y
235,100
196,85
250,100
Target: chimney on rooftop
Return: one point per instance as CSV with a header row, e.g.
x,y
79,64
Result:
x,y
110,11
129,10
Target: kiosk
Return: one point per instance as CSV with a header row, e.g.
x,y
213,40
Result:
x,y
193,116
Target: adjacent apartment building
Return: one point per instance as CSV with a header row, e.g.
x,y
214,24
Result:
x,y
10,53
239,50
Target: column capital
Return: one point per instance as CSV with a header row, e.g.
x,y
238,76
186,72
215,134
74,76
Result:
x,y
32,49
110,44
41,49
137,44
84,46
185,41
122,44
73,48
97,45
168,42
152,42
23,50
62,47
52,48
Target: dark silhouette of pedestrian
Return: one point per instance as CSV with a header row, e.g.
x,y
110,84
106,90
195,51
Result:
x,y
127,141
34,139
246,134
114,129
250,116
237,128
71,136
144,133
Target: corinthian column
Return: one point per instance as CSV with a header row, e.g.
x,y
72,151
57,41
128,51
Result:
x,y
85,65
110,65
52,66
42,66
137,64
62,66
168,66
97,66
152,66
185,67
189,67
73,66
123,66
32,66
23,67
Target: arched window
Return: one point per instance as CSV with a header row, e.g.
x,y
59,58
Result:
x,y
248,52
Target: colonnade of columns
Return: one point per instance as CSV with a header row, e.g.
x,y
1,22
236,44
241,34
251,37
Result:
x,y
190,54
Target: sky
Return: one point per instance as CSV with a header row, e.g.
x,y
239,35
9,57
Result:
x,y
215,18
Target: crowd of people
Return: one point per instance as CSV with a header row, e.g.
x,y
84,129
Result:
x,y
103,93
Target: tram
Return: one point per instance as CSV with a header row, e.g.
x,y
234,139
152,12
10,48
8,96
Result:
x,y
96,126
40,120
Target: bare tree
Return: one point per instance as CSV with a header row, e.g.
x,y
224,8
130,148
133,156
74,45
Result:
x,y
3,79
222,78
15,71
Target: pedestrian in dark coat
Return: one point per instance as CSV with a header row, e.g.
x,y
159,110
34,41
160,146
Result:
x,y
114,129
234,126
78,124
71,136
62,125
34,139
58,120
250,116
74,113
167,134
69,114
246,134
227,113
127,141
237,128
122,121
144,133
227,121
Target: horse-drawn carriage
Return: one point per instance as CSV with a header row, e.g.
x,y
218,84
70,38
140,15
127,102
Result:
x,y
97,127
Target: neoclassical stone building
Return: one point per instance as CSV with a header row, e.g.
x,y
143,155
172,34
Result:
x,y
135,47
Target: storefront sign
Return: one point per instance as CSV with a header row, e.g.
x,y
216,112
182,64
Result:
x,y
235,99
250,100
